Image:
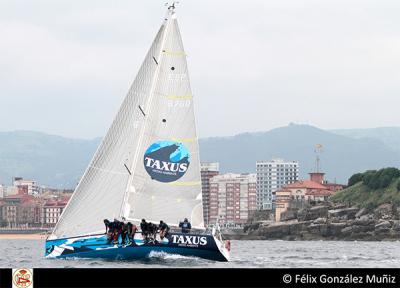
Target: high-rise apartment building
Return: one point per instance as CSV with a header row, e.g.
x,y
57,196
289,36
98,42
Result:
x,y
208,170
272,175
232,199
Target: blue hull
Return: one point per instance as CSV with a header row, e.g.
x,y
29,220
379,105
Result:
x,y
97,246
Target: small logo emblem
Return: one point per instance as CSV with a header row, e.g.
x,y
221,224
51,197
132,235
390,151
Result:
x,y
166,161
22,278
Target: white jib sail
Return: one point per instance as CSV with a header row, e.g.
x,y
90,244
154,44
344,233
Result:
x,y
147,165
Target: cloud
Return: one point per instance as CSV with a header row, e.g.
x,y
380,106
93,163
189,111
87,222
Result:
x,y
328,63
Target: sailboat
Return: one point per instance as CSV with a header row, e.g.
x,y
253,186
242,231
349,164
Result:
x,y
146,167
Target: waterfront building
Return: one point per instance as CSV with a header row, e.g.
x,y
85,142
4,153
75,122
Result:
x,y
9,215
23,190
283,198
271,176
22,210
334,186
1,212
26,213
10,191
26,185
52,212
232,199
10,210
208,170
295,195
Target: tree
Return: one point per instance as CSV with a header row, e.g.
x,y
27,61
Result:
x,y
354,179
384,181
367,177
381,178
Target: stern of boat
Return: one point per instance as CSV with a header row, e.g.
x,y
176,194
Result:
x,y
224,246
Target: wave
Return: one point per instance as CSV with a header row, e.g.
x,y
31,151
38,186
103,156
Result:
x,y
167,256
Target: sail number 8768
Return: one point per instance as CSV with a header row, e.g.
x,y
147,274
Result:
x,y
178,103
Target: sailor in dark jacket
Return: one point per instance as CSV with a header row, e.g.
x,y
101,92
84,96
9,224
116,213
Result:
x,y
164,229
185,225
109,230
124,233
152,232
132,228
145,230
107,224
117,227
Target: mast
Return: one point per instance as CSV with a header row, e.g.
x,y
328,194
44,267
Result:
x,y
168,137
170,13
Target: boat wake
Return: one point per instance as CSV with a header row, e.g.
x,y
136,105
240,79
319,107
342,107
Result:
x,y
177,260
167,256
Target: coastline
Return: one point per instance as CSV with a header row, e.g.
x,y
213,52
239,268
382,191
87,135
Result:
x,y
328,222
23,236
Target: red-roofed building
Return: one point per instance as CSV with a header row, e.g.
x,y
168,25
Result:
x,y
319,195
305,184
314,189
21,205
334,187
317,177
20,209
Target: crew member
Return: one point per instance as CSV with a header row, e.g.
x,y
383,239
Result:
x,y
185,225
106,223
164,229
129,224
124,232
152,229
117,230
145,232
109,229
132,228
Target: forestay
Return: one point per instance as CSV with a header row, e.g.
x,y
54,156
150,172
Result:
x,y
147,165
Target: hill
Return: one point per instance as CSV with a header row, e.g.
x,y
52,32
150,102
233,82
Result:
x,y
371,189
59,162
390,136
50,160
342,155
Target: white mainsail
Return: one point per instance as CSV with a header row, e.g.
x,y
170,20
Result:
x,y
147,165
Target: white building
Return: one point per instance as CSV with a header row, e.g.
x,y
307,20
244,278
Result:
x,y
32,188
272,175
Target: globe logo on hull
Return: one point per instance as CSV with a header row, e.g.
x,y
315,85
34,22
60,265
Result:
x,y
166,161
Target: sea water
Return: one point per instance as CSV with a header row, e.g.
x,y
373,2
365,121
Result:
x,y
258,254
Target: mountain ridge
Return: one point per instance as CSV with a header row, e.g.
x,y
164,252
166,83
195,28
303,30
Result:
x,y
60,161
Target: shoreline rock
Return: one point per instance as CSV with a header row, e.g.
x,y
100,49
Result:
x,y
328,222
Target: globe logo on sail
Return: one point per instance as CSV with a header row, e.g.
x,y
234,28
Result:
x,y
166,161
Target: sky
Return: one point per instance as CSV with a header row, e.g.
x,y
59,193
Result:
x,y
65,66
